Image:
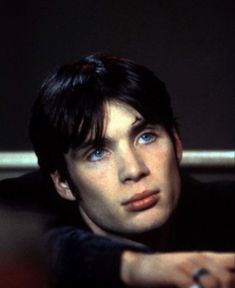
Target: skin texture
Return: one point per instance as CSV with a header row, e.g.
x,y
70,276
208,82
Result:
x,y
176,269
129,186
136,160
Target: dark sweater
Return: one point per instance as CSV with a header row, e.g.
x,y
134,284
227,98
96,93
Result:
x,y
203,220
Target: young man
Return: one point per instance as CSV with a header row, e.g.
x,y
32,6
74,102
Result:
x,y
104,130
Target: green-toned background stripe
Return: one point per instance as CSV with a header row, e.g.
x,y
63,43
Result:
x,y
191,159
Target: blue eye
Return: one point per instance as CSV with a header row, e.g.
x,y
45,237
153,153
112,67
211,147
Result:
x,y
147,138
96,155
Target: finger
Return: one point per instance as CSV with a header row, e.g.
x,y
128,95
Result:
x,y
198,273
219,274
226,260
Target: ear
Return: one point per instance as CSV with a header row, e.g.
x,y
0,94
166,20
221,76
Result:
x,y
62,186
178,145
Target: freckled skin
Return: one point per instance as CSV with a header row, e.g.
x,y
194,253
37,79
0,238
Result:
x,y
131,163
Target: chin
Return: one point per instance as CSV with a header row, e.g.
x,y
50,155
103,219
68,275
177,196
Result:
x,y
148,224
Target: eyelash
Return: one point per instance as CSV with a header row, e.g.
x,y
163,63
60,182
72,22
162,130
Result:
x,y
91,157
152,135
92,154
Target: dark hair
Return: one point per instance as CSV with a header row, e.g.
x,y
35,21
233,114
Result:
x,y
70,104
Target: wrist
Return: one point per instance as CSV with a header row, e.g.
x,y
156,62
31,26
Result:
x,y
130,267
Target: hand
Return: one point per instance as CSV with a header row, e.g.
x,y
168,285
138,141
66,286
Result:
x,y
177,269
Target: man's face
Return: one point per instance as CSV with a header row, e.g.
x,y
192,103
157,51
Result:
x,y
131,183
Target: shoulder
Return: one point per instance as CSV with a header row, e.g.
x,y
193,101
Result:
x,y
220,192
34,192
21,190
215,198
206,214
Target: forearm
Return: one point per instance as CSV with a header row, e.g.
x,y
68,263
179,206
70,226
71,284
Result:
x,y
142,270
177,269
76,256
130,266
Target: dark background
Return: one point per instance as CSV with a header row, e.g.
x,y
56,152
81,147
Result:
x,y
189,44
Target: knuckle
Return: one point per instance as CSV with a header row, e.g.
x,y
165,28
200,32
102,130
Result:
x,y
184,264
213,283
229,281
195,257
202,255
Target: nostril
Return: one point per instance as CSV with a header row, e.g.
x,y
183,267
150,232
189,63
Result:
x,y
133,170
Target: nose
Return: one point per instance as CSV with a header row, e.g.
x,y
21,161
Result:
x,y
132,166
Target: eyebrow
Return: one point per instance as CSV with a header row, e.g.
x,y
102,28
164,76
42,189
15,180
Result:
x,y
137,119
92,142
138,125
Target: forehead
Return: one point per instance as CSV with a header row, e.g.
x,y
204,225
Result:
x,y
116,119
119,116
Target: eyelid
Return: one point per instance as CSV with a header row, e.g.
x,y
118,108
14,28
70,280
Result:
x,y
148,130
91,150
152,135
89,153
145,127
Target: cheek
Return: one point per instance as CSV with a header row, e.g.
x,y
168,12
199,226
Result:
x,y
91,185
164,157
164,164
86,184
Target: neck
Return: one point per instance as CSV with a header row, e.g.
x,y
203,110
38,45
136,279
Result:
x,y
157,239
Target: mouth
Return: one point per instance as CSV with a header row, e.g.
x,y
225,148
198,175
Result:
x,y
142,201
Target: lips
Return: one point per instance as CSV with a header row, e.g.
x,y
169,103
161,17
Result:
x,y
142,201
